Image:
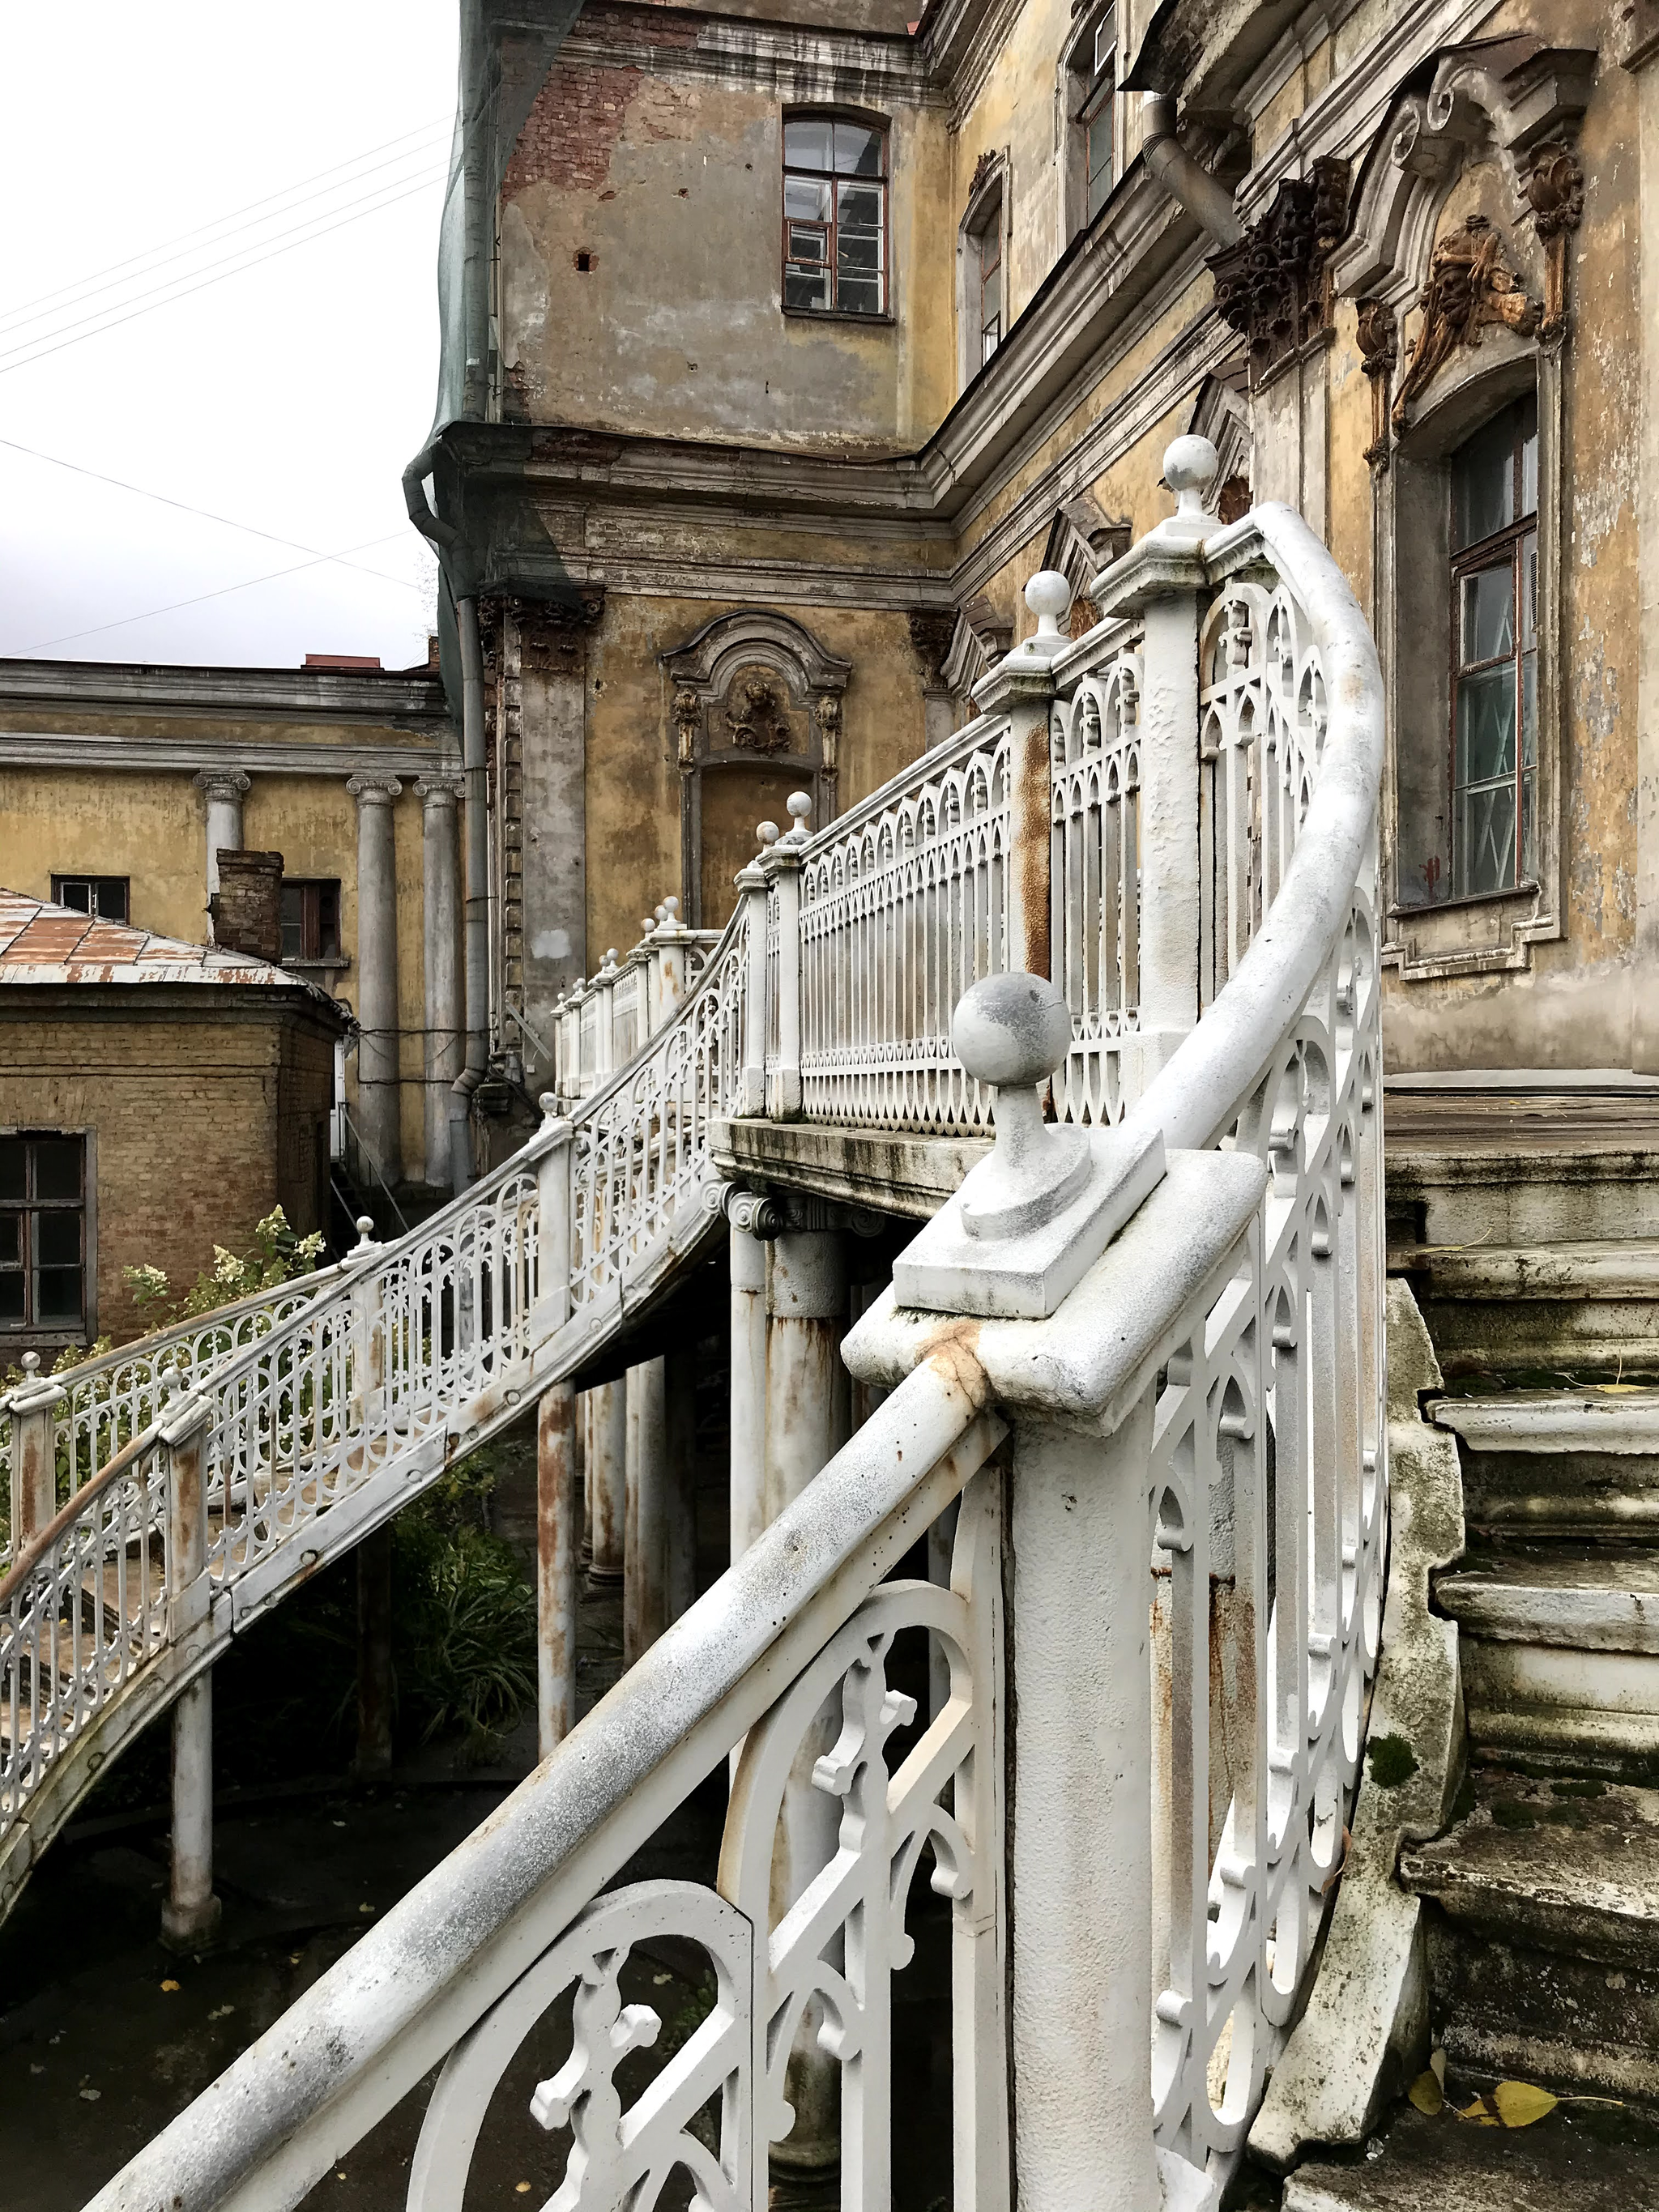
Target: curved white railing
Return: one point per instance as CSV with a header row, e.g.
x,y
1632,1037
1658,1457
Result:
x,y
1225,1356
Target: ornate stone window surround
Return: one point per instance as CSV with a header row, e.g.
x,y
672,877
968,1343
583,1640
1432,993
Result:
x,y
732,688
989,209
1517,102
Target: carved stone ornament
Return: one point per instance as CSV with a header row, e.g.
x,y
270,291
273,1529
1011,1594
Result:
x,y
1378,333
1555,193
756,720
932,630
982,168
553,633
688,719
1271,286
829,730
1470,286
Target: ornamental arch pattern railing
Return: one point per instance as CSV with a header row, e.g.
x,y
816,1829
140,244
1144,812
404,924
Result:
x,y
1202,1410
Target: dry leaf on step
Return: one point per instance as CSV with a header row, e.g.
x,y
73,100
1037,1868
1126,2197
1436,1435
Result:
x,y
1426,2094
1481,2113
1519,2103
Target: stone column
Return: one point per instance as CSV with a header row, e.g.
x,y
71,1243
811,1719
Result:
x,y
378,1109
190,1916
807,1410
680,1486
607,1480
553,642
225,788
446,1010
558,1534
748,1382
933,630
644,1561
374,1677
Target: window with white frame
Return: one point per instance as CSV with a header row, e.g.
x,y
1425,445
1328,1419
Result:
x,y
1097,116
834,215
988,285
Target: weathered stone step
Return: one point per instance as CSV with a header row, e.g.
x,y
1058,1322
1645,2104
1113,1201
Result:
x,y
1448,2164
1580,1597
1564,1462
1581,1305
1560,1866
1544,1956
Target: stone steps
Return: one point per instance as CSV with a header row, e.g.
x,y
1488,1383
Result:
x,y
1507,1307
1572,1462
1565,2163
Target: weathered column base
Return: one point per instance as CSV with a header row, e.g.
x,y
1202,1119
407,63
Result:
x,y
190,1916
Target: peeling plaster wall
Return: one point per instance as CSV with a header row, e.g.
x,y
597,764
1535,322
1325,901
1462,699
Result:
x,y
632,783
671,189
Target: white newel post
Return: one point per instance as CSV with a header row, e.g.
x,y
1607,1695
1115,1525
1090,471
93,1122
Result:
x,y
604,1035
33,1452
225,788
190,1916
667,970
1022,686
783,867
378,1103
558,1510
1080,1873
752,887
1161,579
446,1012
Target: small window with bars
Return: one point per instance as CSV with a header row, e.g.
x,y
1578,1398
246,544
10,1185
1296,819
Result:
x,y
1494,630
43,1231
988,244
311,919
1097,117
834,215
105,895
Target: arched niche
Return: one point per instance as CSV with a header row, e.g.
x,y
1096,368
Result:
x,y
756,706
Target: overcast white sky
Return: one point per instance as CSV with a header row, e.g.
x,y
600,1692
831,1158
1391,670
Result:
x,y
287,397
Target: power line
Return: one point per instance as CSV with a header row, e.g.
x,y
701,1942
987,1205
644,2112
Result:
x,y
41,352
25,312
185,508
224,591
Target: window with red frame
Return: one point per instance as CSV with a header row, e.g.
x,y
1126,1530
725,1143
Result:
x,y
834,215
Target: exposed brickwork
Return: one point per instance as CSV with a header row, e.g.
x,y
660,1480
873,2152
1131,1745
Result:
x,y
247,907
202,1123
579,112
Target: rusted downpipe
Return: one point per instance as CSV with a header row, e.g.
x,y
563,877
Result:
x,y
475,834
1186,180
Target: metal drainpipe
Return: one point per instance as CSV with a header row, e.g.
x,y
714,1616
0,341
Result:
x,y
475,836
1185,180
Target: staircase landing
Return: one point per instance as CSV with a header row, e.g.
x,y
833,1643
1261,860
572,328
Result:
x,y
1567,2163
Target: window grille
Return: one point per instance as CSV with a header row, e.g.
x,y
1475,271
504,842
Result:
x,y
43,1208
1494,633
834,215
107,896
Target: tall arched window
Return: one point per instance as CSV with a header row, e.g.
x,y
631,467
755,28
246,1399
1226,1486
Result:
x,y
1494,630
834,215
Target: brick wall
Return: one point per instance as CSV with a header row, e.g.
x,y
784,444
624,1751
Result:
x,y
247,907
203,1118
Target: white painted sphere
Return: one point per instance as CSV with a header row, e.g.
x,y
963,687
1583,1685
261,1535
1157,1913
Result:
x,y
1048,593
799,803
548,1102
1190,463
766,833
1011,1029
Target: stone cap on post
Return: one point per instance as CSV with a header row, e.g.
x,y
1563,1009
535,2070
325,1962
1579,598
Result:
x,y
1027,672
1169,558
1028,1222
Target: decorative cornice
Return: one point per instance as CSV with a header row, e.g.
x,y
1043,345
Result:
x,y
60,749
815,66
374,790
388,698
1270,287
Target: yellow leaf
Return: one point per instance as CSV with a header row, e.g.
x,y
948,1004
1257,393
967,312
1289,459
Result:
x,y
1426,2094
1437,2066
1519,2103
169,1985
1481,2113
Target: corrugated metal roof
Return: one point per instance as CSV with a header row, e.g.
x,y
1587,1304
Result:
x,y
40,943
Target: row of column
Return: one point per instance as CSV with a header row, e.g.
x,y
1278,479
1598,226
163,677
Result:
x,y
379,1114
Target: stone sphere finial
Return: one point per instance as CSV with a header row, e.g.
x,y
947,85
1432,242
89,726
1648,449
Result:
x,y
31,1365
799,803
1190,467
1011,1030
1049,595
766,834
549,1102
670,910
365,1228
